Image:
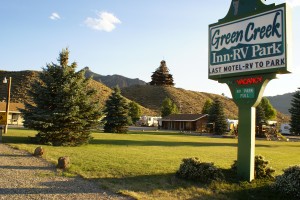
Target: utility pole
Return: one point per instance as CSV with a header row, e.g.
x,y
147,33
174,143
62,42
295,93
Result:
x,y
7,102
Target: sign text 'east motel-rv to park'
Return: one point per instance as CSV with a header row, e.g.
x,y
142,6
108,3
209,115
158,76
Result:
x,y
251,45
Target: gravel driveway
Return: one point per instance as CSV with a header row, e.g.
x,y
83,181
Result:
x,y
23,176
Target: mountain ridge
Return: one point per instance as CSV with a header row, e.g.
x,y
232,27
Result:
x,y
113,80
282,102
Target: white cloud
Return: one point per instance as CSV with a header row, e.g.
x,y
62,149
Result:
x,y
103,22
54,16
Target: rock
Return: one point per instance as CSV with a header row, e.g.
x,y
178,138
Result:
x,y
63,162
39,151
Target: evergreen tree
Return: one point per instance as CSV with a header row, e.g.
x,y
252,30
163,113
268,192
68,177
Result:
x,y
168,107
270,112
206,107
116,110
134,111
260,115
217,117
264,112
260,119
295,113
62,109
162,76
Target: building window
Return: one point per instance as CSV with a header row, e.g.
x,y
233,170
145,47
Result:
x,y
14,117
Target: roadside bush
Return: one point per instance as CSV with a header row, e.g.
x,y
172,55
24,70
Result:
x,y
289,182
194,169
261,169
234,166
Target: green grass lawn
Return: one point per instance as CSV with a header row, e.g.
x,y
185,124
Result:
x,y
143,165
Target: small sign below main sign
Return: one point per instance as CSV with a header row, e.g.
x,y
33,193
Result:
x,y
244,93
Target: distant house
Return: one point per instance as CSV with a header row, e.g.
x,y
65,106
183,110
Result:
x,y
14,115
185,122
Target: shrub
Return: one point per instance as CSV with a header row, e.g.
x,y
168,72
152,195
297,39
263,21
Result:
x,y
234,166
261,169
289,182
194,169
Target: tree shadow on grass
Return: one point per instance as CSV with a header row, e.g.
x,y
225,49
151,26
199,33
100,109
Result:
x,y
258,189
146,183
157,143
155,133
253,193
165,143
170,183
16,139
29,140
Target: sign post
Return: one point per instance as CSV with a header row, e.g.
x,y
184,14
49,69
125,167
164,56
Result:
x,y
3,121
247,49
247,98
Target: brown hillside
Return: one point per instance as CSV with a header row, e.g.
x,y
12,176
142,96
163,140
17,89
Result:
x,y
103,93
22,80
187,101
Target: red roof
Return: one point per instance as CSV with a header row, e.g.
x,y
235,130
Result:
x,y
184,117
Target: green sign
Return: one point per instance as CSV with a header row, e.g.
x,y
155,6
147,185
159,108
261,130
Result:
x,y
247,48
255,44
244,93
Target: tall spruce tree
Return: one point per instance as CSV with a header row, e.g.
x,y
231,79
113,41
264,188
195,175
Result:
x,y
206,107
295,113
162,76
264,112
168,107
116,110
217,117
62,108
260,119
134,111
260,116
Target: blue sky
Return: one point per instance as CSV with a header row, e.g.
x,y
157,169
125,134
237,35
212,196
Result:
x,y
129,38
